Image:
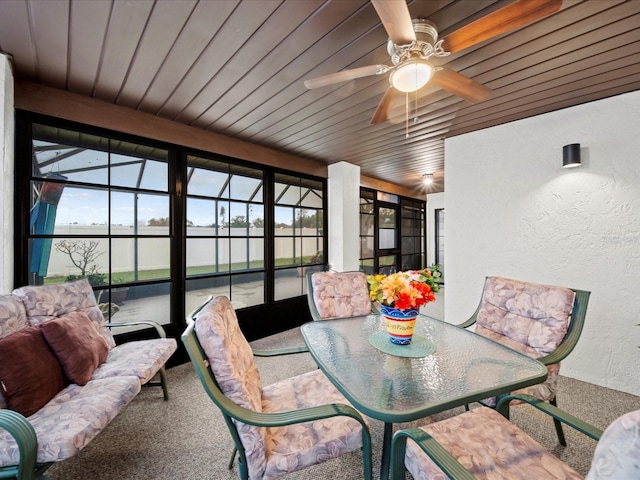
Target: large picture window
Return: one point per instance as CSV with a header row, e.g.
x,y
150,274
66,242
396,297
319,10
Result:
x,y
100,208
157,228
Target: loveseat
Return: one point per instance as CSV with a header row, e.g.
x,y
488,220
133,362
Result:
x,y
62,377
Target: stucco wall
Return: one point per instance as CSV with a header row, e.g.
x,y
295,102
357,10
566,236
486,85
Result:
x,y
6,177
512,210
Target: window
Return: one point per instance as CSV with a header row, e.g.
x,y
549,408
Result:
x,y
157,228
225,248
298,233
100,208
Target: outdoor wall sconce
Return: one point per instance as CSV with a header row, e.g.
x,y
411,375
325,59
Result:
x,y
571,155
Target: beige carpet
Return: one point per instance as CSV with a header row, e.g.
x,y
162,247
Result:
x,y
186,438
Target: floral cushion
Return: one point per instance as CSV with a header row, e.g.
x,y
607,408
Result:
x,y
298,446
489,446
528,317
341,294
45,302
617,454
72,418
13,318
141,358
231,361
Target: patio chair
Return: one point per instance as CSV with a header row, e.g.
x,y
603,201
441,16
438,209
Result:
x,y
288,426
484,442
338,295
329,295
541,321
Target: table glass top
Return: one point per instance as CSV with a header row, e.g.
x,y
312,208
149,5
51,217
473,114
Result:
x,y
465,367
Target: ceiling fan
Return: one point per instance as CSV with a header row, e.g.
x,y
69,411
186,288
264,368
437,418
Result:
x,y
413,43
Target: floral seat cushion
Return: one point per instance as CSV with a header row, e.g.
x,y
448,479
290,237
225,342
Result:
x,y
298,446
341,294
272,452
72,418
490,447
528,317
140,358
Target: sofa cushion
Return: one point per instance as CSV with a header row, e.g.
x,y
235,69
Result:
x,y
30,374
77,344
142,359
45,302
13,316
73,418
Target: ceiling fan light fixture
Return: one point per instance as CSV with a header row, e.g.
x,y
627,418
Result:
x,y
427,178
412,75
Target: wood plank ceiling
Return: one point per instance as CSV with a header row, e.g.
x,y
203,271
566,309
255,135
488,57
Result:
x,y
237,68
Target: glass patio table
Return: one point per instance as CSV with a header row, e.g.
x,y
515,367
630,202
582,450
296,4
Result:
x,y
453,367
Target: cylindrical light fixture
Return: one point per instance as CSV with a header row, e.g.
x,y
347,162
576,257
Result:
x,y
571,155
411,75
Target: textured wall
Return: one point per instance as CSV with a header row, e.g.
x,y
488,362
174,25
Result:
x,y
512,210
6,168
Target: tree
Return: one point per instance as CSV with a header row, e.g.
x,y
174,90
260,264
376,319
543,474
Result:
x,y
238,221
83,255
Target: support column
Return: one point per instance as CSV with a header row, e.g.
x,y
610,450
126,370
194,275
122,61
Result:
x,y
344,216
7,126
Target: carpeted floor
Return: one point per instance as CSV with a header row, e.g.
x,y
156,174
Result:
x,y
186,438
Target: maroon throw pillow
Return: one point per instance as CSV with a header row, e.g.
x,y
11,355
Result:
x,y
30,374
77,344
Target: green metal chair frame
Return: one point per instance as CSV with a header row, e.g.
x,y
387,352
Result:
x,y
449,464
576,324
231,411
25,436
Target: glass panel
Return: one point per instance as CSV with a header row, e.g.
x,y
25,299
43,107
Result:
x,y
284,220
155,176
77,156
239,254
312,198
139,301
306,222
256,253
312,250
366,247
201,256
247,289
387,197
387,264
284,251
207,183
78,211
64,259
223,219
245,188
288,283
238,224
367,266
140,258
142,214
412,262
138,166
199,289
387,228
287,194
201,216
256,219
366,224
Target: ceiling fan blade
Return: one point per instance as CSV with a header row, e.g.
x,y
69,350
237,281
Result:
x,y
345,75
460,85
384,107
396,19
507,18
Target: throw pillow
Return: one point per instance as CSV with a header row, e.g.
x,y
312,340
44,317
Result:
x,y
77,344
30,374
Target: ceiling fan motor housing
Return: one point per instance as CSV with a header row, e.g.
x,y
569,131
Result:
x,y
425,46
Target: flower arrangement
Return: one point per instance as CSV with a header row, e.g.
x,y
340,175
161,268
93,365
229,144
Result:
x,y
405,290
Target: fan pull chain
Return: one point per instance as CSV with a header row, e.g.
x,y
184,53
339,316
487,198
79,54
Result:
x,y
406,108
415,108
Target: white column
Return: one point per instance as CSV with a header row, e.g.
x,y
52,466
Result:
x,y
344,216
6,163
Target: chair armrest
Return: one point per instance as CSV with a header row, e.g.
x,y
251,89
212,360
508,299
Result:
x,y
441,457
25,436
279,351
156,325
580,425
